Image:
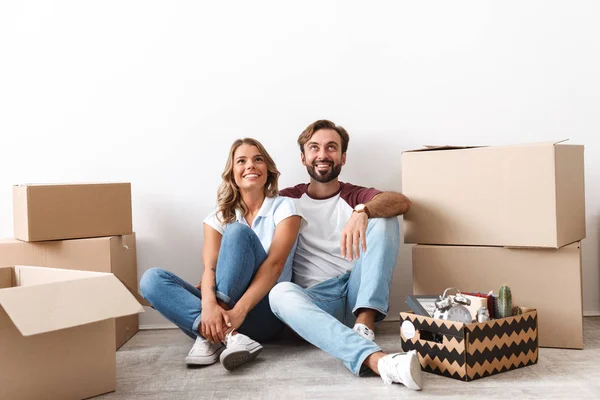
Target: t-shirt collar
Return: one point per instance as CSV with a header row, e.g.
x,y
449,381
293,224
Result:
x,y
262,212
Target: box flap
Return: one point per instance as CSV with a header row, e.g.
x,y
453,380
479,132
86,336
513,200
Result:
x,y
53,306
450,147
443,147
6,277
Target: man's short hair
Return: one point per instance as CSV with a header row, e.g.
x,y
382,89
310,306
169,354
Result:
x,y
323,124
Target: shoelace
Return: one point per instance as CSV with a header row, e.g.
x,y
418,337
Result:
x,y
201,345
230,338
389,373
383,372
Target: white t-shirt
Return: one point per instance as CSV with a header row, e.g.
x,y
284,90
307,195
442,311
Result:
x,y
271,213
318,255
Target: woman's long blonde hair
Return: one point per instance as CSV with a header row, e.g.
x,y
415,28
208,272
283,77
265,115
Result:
x,y
229,197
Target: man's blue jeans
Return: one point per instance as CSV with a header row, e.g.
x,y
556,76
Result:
x,y
240,256
323,314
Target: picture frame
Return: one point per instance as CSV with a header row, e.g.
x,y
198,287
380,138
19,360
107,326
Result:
x,y
422,304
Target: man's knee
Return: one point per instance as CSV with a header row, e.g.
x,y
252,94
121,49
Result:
x,y
280,296
384,228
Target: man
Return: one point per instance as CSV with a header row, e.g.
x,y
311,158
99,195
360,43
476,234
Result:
x,y
344,261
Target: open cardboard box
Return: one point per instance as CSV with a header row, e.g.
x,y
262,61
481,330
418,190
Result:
x,y
57,332
471,351
113,254
529,195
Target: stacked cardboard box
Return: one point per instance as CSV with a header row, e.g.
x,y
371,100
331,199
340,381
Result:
x,y
62,228
483,217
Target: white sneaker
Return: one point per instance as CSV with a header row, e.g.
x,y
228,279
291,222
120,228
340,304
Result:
x,y
364,331
204,352
401,368
240,349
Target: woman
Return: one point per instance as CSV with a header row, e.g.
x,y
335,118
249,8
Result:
x,y
248,247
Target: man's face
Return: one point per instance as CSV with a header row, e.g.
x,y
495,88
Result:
x,y
323,156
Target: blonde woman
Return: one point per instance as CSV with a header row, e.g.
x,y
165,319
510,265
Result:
x,y
249,242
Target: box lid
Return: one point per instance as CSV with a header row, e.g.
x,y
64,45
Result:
x,y
450,147
49,299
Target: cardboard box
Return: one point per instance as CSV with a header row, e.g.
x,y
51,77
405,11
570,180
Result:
x,y
471,351
116,254
56,212
520,196
55,332
548,280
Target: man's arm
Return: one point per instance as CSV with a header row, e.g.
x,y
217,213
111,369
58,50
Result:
x,y
383,205
388,204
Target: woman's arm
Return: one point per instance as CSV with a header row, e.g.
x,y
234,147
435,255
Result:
x,y
270,270
212,314
210,253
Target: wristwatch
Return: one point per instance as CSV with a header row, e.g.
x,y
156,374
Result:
x,y
362,208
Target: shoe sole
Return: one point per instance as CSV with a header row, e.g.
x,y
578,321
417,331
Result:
x,y
205,360
231,359
416,374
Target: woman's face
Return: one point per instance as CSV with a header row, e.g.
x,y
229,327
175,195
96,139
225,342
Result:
x,y
249,168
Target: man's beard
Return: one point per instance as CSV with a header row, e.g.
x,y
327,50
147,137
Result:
x,y
330,175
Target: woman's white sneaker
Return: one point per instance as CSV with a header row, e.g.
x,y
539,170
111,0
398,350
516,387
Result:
x,y
240,349
401,368
204,352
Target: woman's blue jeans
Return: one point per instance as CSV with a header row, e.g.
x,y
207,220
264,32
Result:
x,y
240,256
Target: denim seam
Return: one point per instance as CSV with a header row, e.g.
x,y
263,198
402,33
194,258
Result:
x,y
323,300
196,325
223,297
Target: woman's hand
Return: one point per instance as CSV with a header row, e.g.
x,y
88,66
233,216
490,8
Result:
x,y
235,317
213,323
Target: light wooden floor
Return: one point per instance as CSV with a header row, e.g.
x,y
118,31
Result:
x,y
151,366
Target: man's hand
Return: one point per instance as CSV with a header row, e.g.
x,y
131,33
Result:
x,y
213,323
234,318
353,235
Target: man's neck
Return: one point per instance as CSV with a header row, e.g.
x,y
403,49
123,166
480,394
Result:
x,y
320,190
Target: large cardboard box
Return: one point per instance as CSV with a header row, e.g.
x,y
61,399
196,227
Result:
x,y
55,332
55,212
116,254
548,280
520,196
471,351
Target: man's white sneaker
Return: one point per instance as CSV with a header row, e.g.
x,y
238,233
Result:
x,y
240,349
204,352
364,331
401,368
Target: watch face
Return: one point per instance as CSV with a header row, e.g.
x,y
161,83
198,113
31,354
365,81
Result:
x,y
459,314
359,207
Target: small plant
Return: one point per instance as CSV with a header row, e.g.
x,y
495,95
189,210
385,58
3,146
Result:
x,y
504,302
517,310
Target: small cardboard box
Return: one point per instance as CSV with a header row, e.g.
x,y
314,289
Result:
x,y
471,351
56,332
115,254
548,280
56,212
521,196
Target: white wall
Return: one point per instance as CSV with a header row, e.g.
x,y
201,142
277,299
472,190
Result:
x,y
155,92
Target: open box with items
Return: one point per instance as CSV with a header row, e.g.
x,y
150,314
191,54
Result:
x,y
469,351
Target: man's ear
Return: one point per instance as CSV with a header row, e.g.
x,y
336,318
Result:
x,y
303,158
343,159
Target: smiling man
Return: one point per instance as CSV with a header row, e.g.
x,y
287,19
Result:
x,y
343,264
